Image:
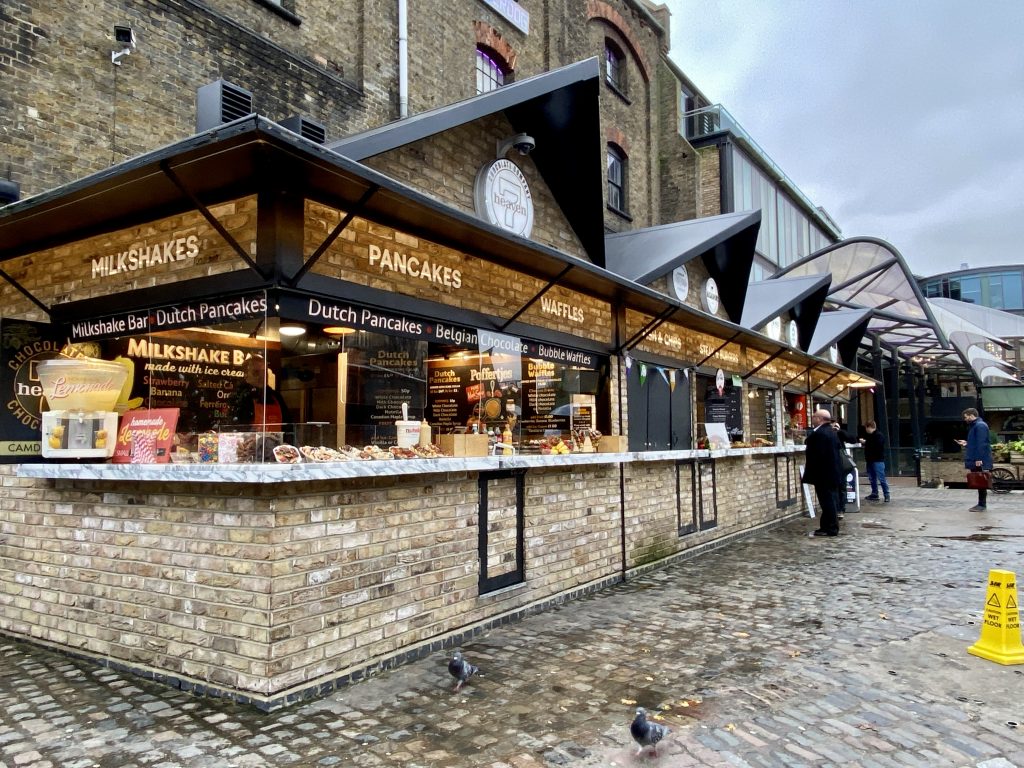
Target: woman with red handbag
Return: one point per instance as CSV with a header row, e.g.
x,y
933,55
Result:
x,y
977,452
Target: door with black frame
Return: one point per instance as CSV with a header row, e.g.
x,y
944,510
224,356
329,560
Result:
x,y
659,408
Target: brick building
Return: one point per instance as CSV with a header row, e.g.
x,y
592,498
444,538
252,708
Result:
x,y
267,581
68,110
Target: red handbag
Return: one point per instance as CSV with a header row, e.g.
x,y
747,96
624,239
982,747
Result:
x,y
979,479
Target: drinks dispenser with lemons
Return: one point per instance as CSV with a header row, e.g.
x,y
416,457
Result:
x,y
81,394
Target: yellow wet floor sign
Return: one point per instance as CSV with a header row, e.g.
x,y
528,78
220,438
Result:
x,y
1000,630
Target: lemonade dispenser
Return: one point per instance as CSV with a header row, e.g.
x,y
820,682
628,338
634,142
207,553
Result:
x,y
81,394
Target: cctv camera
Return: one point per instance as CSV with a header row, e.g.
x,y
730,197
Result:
x,y
524,144
124,35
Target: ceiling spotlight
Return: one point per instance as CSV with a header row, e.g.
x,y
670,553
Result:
x,y
292,329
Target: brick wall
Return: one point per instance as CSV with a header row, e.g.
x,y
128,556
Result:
x,y
709,183
69,274
261,591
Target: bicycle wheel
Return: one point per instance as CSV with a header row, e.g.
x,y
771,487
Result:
x,y
1002,480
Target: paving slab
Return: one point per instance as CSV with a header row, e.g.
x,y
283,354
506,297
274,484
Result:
x,y
776,650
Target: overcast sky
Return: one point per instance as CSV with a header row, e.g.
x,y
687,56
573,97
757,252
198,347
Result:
x,y
904,119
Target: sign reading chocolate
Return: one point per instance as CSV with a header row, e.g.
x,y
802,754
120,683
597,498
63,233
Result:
x,y
25,346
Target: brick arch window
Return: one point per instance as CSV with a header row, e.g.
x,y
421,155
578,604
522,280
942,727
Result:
x,y
616,177
614,65
491,71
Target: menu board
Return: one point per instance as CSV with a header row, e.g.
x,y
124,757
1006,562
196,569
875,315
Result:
x,y
725,407
458,392
177,371
542,390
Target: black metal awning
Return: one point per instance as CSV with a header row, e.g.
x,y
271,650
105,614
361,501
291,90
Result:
x,y
254,155
559,109
842,327
725,244
802,297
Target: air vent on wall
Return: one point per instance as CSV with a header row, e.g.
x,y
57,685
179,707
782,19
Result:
x,y
221,102
306,128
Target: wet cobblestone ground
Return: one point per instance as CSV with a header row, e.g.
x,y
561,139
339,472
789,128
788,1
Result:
x,y
777,650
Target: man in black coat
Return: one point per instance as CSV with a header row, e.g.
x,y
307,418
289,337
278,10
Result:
x,y
822,470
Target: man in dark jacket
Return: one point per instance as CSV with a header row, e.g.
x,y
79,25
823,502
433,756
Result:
x,y
822,470
977,452
874,458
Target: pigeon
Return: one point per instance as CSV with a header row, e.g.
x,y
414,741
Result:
x,y
461,669
646,734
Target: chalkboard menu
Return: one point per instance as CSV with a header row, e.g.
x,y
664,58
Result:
x,y
725,407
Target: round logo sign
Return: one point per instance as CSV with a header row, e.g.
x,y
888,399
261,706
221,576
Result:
x,y
774,328
720,381
679,283
709,296
502,197
793,333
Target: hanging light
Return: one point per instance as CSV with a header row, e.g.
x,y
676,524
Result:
x,y
292,329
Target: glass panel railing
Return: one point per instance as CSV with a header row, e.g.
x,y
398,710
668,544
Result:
x,y
706,121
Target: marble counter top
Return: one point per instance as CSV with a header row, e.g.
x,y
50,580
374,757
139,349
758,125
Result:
x,y
306,472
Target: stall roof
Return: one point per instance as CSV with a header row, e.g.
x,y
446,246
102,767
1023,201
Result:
x,y
725,243
801,296
867,272
559,109
252,154
843,327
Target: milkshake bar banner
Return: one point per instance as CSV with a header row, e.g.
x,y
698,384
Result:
x,y
329,312
171,317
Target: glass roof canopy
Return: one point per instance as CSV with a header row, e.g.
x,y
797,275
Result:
x,y
870,273
867,272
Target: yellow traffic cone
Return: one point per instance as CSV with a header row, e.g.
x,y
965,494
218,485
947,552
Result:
x,y
1000,630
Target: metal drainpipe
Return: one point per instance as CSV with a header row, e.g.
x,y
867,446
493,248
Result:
x,y
403,59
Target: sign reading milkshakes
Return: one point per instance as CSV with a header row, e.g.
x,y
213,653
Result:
x,y
24,345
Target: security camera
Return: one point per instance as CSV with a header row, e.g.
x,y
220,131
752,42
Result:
x,y
523,143
124,35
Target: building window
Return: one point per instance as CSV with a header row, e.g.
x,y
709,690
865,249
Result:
x,y
614,66
616,179
490,75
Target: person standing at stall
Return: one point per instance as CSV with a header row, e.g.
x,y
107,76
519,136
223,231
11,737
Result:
x,y
874,457
254,401
977,452
822,470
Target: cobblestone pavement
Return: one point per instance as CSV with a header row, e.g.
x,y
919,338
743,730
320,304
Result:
x,y
776,650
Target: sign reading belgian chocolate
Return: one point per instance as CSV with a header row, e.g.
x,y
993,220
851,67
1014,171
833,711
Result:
x,y
325,311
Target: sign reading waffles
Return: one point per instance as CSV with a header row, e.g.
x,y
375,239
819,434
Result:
x,y
146,437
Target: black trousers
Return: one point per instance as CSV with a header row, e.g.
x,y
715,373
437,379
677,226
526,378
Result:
x,y
827,502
